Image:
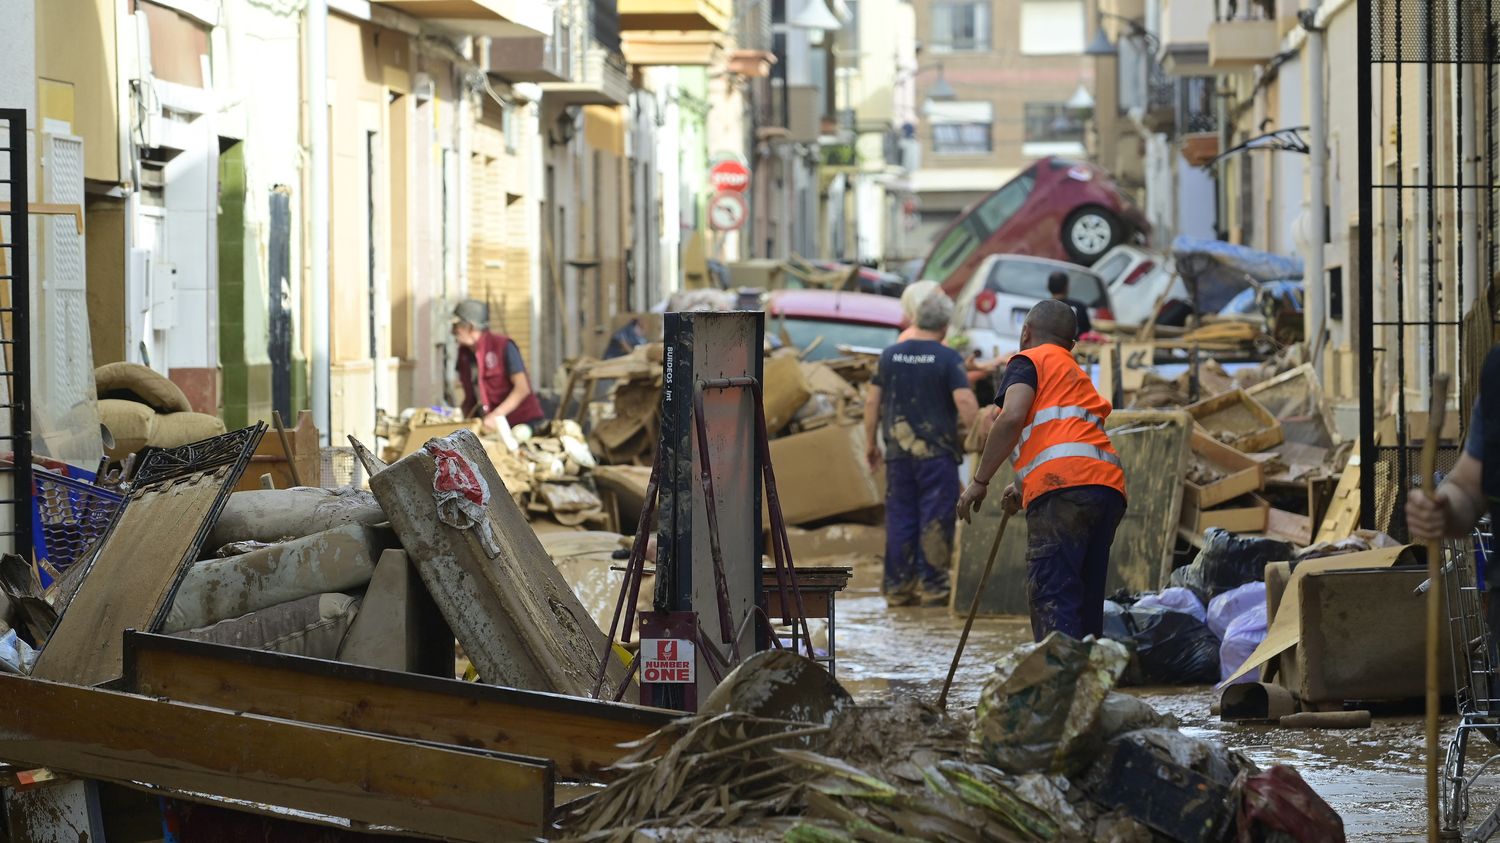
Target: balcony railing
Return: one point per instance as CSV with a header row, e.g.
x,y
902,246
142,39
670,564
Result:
x,y
1244,10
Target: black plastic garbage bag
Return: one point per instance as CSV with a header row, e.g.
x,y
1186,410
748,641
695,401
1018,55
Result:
x,y
1116,628
1227,562
1167,647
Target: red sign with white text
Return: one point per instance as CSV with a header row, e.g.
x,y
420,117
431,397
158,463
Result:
x,y
668,660
729,175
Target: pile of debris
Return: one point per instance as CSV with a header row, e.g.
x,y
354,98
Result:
x,y
547,468
813,411
1052,753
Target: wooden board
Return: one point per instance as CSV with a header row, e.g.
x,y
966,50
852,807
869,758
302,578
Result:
x,y
580,736
1153,450
517,618
157,533
1343,511
270,458
443,791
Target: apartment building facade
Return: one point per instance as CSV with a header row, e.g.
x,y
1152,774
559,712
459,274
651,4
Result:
x,y
1015,70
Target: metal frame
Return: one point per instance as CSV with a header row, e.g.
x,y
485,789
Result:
x,y
1407,34
15,366
1476,684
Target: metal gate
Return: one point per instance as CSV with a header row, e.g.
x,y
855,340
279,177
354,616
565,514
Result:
x,y
15,336
1427,230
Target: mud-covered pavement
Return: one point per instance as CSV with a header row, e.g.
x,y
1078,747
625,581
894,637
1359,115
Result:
x,y
1372,777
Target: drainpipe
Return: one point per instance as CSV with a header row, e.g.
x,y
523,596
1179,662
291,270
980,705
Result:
x,y
1316,284
317,195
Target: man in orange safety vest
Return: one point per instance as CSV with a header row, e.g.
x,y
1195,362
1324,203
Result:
x,y
1068,476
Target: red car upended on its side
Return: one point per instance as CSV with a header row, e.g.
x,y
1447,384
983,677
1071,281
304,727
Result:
x,y
1057,208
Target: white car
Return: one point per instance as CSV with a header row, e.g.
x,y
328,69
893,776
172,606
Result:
x,y
993,304
1139,282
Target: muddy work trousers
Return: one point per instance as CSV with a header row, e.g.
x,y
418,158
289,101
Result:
x,y
921,509
1068,535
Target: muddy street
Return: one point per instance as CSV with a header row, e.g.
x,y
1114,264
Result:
x,y
1372,777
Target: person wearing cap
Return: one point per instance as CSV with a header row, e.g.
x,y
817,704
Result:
x,y
491,371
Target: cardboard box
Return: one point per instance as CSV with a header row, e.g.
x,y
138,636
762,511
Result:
x,y
1238,420
822,474
421,433
1245,514
1241,473
786,391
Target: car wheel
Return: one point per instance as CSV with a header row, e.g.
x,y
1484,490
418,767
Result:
x,y
1090,232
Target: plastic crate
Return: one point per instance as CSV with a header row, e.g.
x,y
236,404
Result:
x,y
69,517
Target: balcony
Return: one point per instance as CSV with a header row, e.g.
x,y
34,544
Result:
x,y
493,18
660,47
1241,44
1184,36
1244,35
546,58
597,77
596,73
675,15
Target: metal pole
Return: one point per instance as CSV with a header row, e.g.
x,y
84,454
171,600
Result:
x,y
1365,304
318,212
1315,314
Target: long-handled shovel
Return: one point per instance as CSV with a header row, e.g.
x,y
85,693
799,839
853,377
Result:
x,y
1434,568
973,609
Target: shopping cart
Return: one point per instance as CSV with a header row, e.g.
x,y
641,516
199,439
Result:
x,y
1476,691
69,517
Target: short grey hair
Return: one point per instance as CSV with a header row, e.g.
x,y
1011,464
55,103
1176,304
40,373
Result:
x,y
935,312
1053,320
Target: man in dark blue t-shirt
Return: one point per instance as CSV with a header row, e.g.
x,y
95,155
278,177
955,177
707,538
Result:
x,y
920,404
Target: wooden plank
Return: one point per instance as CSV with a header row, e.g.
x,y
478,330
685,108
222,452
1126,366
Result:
x,y
1153,451
581,736
1342,517
450,792
157,533
518,620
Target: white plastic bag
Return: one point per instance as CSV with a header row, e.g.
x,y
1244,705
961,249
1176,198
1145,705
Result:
x,y
1240,640
1222,610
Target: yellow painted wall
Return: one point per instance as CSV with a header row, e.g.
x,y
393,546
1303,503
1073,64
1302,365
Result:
x,y
76,42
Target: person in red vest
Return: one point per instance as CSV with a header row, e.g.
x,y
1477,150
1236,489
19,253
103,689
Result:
x,y
1068,476
491,371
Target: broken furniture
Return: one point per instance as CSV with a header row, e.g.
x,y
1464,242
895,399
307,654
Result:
x,y
129,583
820,587
517,619
1238,420
1346,637
290,461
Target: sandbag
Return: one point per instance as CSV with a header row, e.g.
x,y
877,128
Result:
x,y
142,385
274,515
1241,638
1172,648
131,423
178,429
1177,600
1039,711
1222,610
334,560
1228,561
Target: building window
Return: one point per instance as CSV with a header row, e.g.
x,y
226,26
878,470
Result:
x,y
960,27
961,128
1052,27
1052,128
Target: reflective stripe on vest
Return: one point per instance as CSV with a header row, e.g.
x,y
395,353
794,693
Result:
x,y
1052,414
1067,449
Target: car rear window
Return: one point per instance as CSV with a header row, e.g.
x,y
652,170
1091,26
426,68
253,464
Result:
x,y
803,332
976,226
1113,266
1028,279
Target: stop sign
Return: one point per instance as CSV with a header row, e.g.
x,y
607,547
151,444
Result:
x,y
729,175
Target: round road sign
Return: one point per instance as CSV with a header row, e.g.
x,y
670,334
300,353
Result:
x,y
728,176
727,211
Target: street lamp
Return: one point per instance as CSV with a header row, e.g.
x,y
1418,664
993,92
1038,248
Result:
x,y
1102,47
815,16
940,91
